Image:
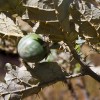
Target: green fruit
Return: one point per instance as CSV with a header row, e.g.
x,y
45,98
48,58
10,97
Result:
x,y
32,48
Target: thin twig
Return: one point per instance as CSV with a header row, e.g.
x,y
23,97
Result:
x,y
74,75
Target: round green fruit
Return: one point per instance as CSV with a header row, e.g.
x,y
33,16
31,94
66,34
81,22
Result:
x,y
32,48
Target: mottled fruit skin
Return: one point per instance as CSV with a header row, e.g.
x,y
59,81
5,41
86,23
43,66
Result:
x,y
31,48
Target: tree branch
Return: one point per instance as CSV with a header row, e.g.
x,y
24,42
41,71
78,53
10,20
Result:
x,y
85,67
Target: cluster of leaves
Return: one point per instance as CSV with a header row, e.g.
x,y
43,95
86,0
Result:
x,y
23,81
60,20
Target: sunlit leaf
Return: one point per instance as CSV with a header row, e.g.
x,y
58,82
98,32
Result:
x,y
8,27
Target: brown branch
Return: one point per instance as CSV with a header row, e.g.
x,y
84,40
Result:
x,y
70,87
85,67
